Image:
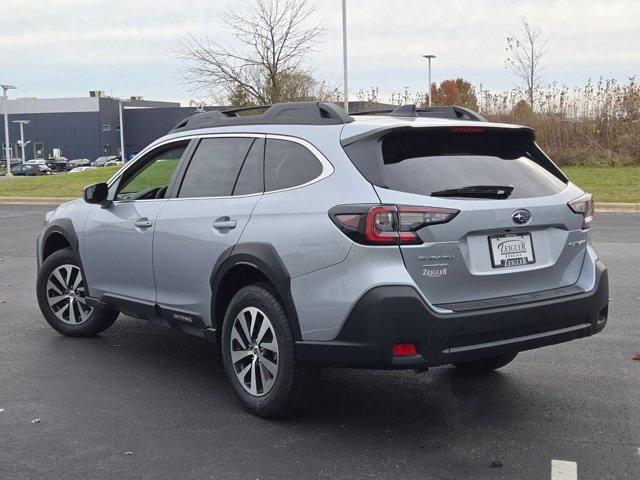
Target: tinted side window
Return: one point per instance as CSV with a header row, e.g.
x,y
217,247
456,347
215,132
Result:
x,y
214,167
250,179
288,164
152,178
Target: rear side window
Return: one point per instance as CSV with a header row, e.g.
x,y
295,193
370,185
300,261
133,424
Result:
x,y
431,160
288,164
214,167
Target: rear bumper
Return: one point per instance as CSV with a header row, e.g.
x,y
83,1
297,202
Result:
x,y
388,315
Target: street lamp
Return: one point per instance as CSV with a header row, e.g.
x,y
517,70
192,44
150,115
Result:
x,y
22,124
344,55
429,57
6,125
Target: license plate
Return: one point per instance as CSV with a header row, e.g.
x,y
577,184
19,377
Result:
x,y
511,250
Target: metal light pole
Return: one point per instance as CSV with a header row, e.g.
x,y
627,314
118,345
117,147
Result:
x,y
122,153
6,125
344,55
429,57
22,124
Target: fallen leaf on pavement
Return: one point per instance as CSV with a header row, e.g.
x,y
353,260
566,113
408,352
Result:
x,y
2,300
128,453
36,421
636,357
1,410
496,464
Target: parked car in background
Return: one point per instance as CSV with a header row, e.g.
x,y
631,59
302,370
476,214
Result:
x,y
102,161
36,161
57,164
30,170
113,163
78,162
81,169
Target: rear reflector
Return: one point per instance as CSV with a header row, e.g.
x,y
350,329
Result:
x,y
404,350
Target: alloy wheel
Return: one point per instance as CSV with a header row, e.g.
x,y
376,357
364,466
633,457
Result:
x,y
66,295
254,351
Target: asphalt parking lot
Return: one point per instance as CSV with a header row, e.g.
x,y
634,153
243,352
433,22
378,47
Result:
x,y
141,402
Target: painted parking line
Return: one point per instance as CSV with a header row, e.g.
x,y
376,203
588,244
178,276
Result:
x,y
563,470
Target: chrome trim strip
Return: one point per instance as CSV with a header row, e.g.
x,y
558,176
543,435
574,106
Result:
x,y
327,166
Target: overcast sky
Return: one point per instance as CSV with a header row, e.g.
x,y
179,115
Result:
x,y
67,47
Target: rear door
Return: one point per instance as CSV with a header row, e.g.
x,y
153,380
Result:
x,y
222,183
497,245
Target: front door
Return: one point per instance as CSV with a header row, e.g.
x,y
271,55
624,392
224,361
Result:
x,y
221,186
118,240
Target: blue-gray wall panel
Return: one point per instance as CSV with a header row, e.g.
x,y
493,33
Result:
x,y
144,125
76,134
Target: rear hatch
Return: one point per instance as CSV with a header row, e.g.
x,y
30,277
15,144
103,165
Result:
x,y
514,233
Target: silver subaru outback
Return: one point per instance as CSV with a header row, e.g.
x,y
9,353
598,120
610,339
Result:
x,y
305,237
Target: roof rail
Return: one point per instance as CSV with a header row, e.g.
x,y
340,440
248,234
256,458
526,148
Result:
x,y
297,113
411,111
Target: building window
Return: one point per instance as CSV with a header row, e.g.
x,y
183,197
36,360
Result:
x,y
106,128
117,128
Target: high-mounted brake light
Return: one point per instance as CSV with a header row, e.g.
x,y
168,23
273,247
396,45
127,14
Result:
x,y
584,205
468,130
387,224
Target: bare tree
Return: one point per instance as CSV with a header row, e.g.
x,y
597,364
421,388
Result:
x,y
525,53
274,40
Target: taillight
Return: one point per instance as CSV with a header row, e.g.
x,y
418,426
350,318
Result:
x,y
584,205
387,224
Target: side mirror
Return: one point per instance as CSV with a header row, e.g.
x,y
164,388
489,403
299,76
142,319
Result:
x,y
96,193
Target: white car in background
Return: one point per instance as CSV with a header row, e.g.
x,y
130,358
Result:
x,y
81,169
36,161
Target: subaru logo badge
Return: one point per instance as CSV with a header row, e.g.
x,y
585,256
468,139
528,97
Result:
x,y
521,217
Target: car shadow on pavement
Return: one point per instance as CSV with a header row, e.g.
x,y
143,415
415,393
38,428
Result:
x,y
136,352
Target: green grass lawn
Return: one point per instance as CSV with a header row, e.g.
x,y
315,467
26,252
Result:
x,y
61,185
608,184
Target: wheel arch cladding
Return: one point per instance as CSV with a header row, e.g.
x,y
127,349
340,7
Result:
x,y
60,234
247,263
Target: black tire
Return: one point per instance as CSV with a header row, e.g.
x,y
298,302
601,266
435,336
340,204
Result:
x,y
294,383
486,365
95,322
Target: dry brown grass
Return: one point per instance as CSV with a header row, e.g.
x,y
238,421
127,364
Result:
x,y
594,125
597,125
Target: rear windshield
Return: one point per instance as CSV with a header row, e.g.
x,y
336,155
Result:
x,y
431,160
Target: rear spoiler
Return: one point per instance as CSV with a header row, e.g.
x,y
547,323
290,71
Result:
x,y
378,132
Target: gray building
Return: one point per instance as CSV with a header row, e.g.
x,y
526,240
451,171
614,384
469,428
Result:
x,y
79,127
89,127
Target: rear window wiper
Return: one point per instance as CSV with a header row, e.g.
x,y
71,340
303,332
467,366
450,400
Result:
x,y
477,191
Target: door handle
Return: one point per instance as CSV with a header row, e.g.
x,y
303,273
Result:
x,y
224,223
143,223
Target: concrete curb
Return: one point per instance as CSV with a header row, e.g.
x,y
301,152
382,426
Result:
x,y
617,207
600,207
33,200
